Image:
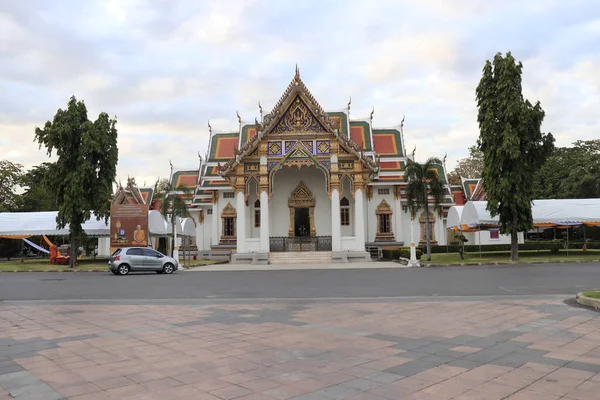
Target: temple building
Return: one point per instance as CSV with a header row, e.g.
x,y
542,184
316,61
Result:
x,y
301,179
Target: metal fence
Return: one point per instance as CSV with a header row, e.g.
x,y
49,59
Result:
x,y
300,243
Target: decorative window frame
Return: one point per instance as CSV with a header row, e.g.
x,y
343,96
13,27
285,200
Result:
x,y
384,209
228,213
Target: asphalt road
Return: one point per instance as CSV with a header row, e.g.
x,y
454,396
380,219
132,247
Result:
x,y
548,279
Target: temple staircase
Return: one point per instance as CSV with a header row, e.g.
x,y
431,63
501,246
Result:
x,y
300,257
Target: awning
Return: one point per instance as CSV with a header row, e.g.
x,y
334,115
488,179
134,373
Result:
x,y
25,224
559,213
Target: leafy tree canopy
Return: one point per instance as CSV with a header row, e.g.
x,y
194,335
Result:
x,y
570,172
81,178
10,176
512,142
470,167
37,195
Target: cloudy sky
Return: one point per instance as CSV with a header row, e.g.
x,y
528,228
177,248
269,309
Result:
x,y
165,67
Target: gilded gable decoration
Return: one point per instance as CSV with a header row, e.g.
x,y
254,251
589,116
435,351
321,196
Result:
x,y
228,211
384,208
298,118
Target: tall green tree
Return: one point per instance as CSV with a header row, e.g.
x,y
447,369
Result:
x,y
513,145
469,167
172,204
37,195
423,184
570,172
82,176
10,176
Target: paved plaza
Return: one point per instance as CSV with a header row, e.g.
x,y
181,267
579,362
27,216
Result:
x,y
374,349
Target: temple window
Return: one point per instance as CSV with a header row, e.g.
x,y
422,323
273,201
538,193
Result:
x,y
345,212
257,214
384,222
383,191
228,195
228,226
209,211
228,217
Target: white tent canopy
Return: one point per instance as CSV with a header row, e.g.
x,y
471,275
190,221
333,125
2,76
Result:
x,y
188,227
454,217
44,223
557,211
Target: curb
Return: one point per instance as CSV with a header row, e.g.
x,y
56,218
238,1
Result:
x,y
51,270
509,263
587,301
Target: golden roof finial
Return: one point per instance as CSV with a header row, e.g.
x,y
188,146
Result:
x,y
297,76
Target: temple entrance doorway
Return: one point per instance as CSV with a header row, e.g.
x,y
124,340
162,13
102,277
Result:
x,y
301,222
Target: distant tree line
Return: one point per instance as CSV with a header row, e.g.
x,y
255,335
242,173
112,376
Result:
x,y
568,173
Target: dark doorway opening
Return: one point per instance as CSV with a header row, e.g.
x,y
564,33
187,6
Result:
x,y
301,222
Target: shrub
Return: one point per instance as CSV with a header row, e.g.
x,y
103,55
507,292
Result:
x,y
396,253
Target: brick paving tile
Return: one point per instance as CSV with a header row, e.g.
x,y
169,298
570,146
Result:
x,y
230,392
466,349
285,392
128,391
531,395
259,385
145,376
311,384
76,390
93,396
237,378
587,390
112,383
160,384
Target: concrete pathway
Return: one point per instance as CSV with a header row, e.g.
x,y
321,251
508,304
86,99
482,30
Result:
x,y
492,349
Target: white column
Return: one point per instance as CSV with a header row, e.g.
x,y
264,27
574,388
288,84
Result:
x,y
398,219
200,233
175,241
264,222
241,222
359,220
216,222
336,223
413,262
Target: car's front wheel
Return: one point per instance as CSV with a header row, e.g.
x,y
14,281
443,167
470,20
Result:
x,y
168,268
123,269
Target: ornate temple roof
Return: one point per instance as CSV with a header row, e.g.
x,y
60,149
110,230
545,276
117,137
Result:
x,y
382,149
469,185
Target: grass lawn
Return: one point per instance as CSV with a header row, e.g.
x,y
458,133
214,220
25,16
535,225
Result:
x,y
594,295
526,256
83,265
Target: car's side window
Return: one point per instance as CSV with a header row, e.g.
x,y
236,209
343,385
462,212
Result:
x,y
134,252
150,253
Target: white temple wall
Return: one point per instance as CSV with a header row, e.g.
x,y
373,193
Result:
x,y
284,183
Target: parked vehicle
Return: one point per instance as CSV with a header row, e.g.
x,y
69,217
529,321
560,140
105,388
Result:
x,y
134,259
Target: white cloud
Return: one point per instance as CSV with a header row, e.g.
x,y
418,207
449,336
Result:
x,y
166,68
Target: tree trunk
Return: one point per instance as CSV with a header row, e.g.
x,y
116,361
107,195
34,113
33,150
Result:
x,y
172,235
427,227
514,240
427,232
73,258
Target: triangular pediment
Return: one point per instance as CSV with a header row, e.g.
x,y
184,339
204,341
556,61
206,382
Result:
x,y
297,111
298,118
297,153
302,193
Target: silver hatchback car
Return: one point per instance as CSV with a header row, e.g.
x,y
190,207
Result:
x,y
133,259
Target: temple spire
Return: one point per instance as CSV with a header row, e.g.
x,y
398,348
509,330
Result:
x,y
297,76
